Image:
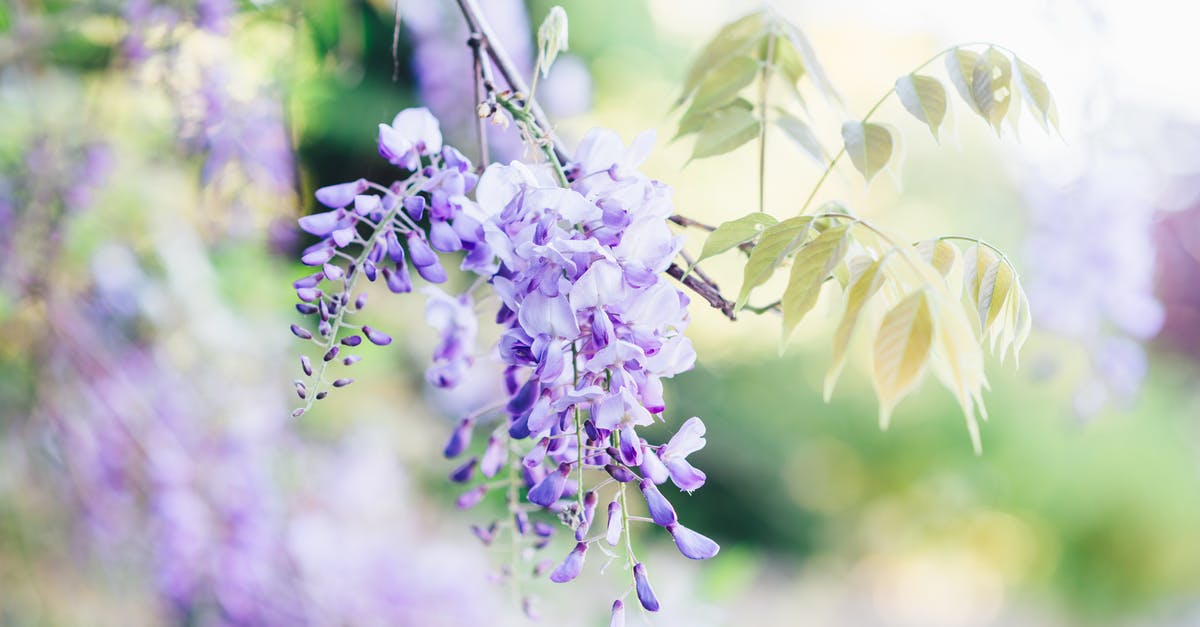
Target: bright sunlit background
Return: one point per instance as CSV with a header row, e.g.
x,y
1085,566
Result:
x,y
155,154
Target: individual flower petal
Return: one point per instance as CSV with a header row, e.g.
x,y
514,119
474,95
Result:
x,y
691,544
660,508
443,237
652,467
686,476
419,250
340,195
317,257
320,224
543,315
420,128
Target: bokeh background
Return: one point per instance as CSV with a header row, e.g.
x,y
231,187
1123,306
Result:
x,y
154,155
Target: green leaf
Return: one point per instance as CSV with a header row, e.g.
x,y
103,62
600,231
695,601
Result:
x,y
776,243
980,268
946,259
1035,92
723,83
902,348
800,132
813,263
736,38
1001,291
991,86
788,60
694,121
809,59
869,146
960,66
735,233
724,131
860,291
925,98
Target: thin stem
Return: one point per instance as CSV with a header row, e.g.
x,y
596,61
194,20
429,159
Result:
x,y
764,82
976,240
478,63
878,103
336,322
476,23
578,428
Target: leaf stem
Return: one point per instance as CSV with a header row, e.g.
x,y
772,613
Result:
x,y
878,103
764,83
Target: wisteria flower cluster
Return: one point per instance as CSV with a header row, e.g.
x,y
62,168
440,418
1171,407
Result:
x,y
590,327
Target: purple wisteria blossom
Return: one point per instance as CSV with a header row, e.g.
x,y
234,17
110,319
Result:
x,y
589,323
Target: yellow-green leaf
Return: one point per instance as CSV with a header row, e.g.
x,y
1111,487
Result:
x,y
861,289
869,146
1035,91
723,83
960,67
991,86
1001,292
694,121
901,351
776,243
724,131
788,60
735,38
801,133
813,263
800,43
925,98
735,233
946,259
980,266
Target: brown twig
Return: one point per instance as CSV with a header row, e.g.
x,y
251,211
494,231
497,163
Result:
x,y
707,291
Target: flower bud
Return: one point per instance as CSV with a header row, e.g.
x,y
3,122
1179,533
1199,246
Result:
x,y
620,473
546,492
378,338
471,497
493,457
459,439
645,593
552,38
571,566
463,473
589,512
618,614
613,534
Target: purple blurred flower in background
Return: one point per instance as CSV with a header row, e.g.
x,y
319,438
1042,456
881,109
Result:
x,y
1091,260
182,460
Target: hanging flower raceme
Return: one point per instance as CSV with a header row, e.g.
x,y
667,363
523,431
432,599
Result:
x,y
589,323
